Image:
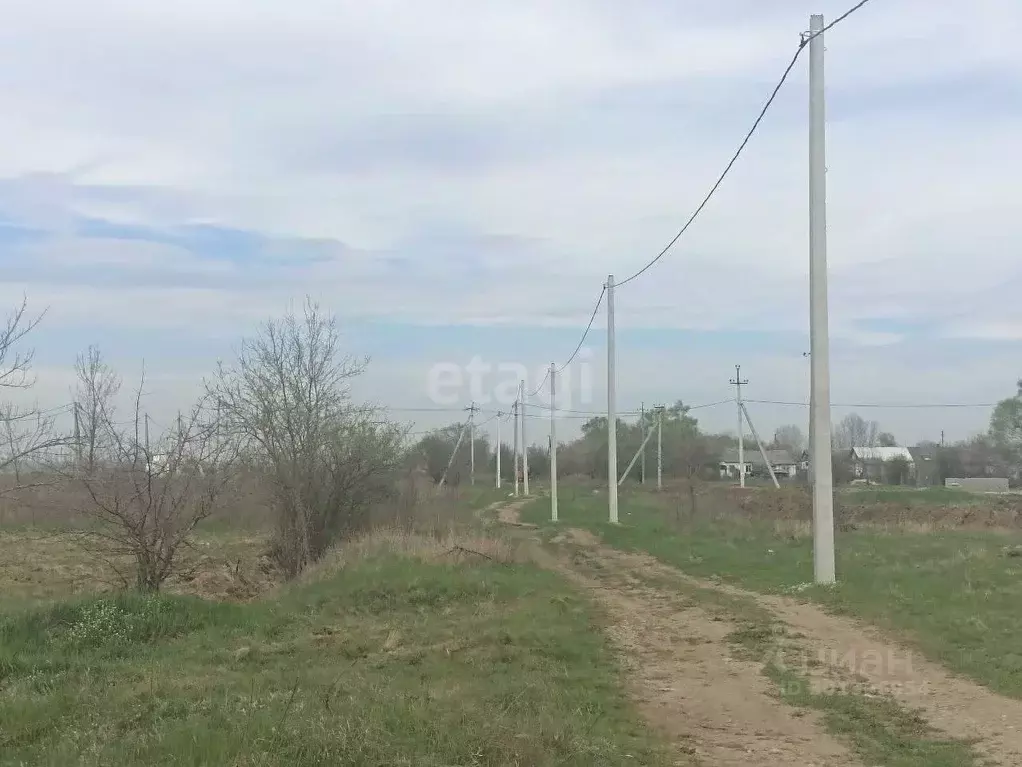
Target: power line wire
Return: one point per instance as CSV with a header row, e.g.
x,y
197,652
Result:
x,y
804,40
589,327
581,412
423,409
483,423
534,393
711,404
890,405
809,36
578,348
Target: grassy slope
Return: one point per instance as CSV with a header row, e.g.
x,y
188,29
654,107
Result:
x,y
955,594
386,661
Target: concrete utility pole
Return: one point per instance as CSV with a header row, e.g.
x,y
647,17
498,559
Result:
x,y
78,440
472,443
461,436
737,382
823,479
611,408
525,445
642,439
499,414
762,450
514,409
553,444
660,447
635,458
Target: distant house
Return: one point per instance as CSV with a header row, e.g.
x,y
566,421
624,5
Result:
x,y
876,464
927,465
784,465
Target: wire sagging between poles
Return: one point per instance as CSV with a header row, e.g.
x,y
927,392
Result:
x,y
803,42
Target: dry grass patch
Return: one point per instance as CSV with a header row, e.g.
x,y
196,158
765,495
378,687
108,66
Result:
x,y
454,546
42,566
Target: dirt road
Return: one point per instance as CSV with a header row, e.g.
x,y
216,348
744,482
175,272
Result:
x,y
721,709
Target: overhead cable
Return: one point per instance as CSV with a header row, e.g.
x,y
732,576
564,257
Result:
x,y
804,40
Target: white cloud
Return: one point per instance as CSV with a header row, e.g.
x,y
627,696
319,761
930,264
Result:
x,y
586,131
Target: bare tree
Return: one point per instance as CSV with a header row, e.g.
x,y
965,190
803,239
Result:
x,y
886,439
790,438
97,386
854,431
287,396
16,363
28,433
29,436
691,457
146,500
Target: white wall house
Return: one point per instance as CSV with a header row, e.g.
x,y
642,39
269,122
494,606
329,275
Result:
x,y
781,460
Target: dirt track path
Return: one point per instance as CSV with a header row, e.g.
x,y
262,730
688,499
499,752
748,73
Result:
x,y
713,707
849,649
690,684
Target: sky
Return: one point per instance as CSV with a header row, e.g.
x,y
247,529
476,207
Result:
x,y
455,180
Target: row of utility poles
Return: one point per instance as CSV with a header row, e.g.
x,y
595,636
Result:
x,y
820,428
85,436
820,456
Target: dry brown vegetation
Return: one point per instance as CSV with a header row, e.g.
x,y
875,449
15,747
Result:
x,y
228,558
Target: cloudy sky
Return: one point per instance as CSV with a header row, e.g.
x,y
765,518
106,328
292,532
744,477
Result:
x,y
456,179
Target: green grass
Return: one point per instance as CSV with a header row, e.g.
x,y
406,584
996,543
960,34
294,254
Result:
x,y
940,496
390,660
954,595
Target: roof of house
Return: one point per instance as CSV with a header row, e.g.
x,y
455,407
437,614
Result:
x,y
777,457
882,453
923,453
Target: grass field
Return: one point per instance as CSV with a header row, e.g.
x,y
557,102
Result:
x,y
396,654
954,594
929,496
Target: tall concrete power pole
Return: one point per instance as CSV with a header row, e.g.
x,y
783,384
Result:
x,y
471,443
525,443
823,480
737,382
642,437
611,407
499,415
514,409
553,444
660,447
